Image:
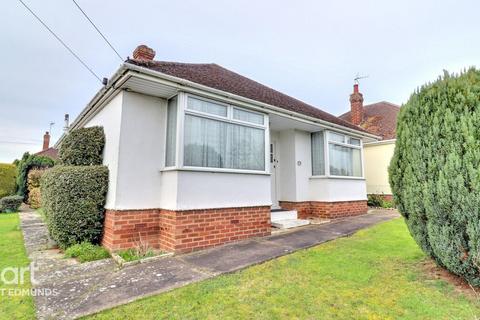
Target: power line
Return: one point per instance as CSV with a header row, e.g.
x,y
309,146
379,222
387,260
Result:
x,y
93,24
17,142
61,41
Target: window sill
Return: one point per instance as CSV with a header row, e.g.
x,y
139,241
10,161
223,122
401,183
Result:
x,y
216,170
337,177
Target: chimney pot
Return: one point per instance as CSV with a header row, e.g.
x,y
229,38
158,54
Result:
x,y
142,52
46,140
356,106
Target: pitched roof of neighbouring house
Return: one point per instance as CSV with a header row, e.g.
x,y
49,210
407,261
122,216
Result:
x,y
379,119
217,77
50,152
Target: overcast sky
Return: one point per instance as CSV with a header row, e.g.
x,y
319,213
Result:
x,y
308,49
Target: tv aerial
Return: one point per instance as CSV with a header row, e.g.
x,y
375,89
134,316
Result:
x,y
358,77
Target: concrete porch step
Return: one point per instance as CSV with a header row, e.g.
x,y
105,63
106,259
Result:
x,y
283,215
290,223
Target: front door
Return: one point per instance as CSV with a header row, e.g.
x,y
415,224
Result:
x,y
273,171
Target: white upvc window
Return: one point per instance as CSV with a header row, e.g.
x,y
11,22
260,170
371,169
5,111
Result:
x,y
218,136
337,155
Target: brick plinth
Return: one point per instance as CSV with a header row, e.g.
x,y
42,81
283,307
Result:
x,y
387,197
126,229
184,231
330,210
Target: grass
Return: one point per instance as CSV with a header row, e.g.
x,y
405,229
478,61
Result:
x,y
375,274
12,254
86,251
133,255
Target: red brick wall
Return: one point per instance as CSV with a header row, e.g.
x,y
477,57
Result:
x,y
124,229
184,231
330,210
387,197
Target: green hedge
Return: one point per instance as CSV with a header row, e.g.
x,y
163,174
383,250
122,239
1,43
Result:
x,y
83,147
29,161
10,203
435,171
8,174
73,199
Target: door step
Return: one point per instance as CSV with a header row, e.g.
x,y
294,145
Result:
x,y
286,219
283,215
290,223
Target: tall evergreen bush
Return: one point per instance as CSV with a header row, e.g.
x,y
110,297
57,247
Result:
x,y
435,171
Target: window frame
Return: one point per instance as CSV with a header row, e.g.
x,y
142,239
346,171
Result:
x,y
182,111
326,155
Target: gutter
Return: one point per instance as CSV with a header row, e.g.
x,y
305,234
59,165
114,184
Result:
x,y
128,70
379,143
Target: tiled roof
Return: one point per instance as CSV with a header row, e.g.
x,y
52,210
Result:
x,y
217,77
50,152
379,119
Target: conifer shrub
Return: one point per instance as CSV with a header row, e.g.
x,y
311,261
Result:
x,y
435,171
83,147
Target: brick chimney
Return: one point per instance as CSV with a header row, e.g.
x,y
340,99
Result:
x,y
46,140
142,52
356,106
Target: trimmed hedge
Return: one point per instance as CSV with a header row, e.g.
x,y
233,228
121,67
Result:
x,y
83,147
435,171
10,203
7,179
73,199
29,161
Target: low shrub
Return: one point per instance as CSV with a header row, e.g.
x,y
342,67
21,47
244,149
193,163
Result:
x,y
73,200
83,147
133,254
7,179
28,162
87,251
374,200
10,203
377,200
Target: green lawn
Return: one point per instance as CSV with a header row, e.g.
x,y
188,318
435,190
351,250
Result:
x,y
375,274
12,254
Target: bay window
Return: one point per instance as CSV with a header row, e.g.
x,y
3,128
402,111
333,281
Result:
x,y
343,152
217,135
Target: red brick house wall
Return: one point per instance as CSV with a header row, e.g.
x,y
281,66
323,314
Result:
x,y
330,210
184,231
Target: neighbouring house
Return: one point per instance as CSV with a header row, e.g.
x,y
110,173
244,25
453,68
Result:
x,y
379,119
48,151
199,156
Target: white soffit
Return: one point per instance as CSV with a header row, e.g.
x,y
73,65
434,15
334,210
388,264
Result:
x,y
148,87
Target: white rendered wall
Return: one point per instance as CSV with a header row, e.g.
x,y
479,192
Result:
x,y
204,190
141,153
331,189
110,118
377,160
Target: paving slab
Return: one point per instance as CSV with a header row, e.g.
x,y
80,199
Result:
x,y
236,256
303,238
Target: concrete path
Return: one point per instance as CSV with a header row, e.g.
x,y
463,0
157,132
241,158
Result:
x,y
86,288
